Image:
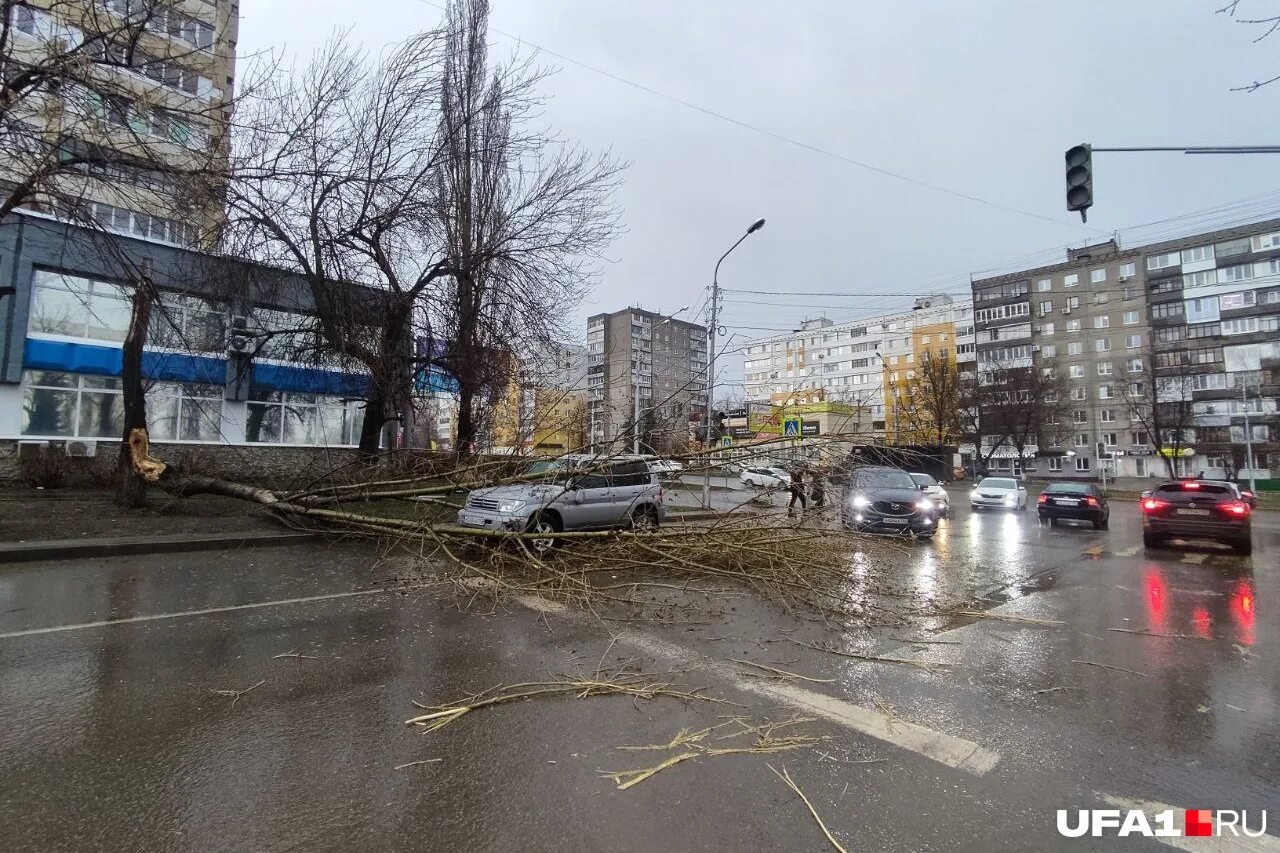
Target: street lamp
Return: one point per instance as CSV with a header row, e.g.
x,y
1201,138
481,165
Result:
x,y
711,356
635,386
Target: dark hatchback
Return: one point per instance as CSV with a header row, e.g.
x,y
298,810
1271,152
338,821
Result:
x,y
886,500
1074,502
1197,509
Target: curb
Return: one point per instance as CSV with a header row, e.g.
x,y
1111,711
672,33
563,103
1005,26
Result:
x,y
130,546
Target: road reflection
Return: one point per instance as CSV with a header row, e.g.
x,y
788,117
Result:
x,y
1208,613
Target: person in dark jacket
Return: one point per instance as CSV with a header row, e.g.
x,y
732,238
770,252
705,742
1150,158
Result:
x,y
796,488
817,489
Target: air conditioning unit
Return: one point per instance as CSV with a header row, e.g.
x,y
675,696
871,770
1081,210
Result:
x,y
1124,278
1066,310
82,449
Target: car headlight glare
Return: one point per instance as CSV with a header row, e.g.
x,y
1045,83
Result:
x,y
510,506
925,504
1011,500
860,501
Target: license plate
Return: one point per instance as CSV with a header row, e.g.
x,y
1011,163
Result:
x,y
477,520
1068,502
1193,512
899,521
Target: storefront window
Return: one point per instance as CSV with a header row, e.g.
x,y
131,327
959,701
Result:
x,y
79,307
68,405
276,417
184,411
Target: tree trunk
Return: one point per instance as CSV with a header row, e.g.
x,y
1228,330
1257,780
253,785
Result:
x,y
132,491
375,416
466,419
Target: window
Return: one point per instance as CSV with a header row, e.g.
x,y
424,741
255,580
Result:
x,y
1197,254
1131,318
1079,416
185,411
1075,348
1167,285
1248,325
1138,436
1104,392
1132,341
1201,310
1073,302
1102,345
276,417
1206,278
1073,326
1076,371
1266,241
78,307
924,339
1159,262
1055,464
1203,330
1110,439
1137,390
1101,322
71,405
1046,329
1170,334
1082,463
1045,307
187,323
1135,365
1082,439
1232,301
1241,272
1096,276
1051,396
1104,368
1107,416
1048,351
1101,297
1070,280
1128,270
1164,310
1078,393
1044,285
1129,291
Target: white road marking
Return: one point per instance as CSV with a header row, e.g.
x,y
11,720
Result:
x,y
231,608
1129,552
1194,559
1211,844
945,749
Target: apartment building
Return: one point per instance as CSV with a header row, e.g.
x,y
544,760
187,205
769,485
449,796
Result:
x,y
544,409
644,368
1111,317
865,364
153,82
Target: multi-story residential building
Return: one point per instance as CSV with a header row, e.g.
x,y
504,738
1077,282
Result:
x,y
645,368
1120,322
64,313
544,409
151,85
865,364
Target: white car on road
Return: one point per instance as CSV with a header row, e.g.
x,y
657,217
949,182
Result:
x,y
666,468
998,493
933,490
765,478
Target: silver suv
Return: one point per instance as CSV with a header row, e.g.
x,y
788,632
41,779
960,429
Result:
x,y
575,492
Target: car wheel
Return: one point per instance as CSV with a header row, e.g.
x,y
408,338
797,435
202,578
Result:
x,y
541,523
1151,540
644,520
1243,546
1098,525
1105,523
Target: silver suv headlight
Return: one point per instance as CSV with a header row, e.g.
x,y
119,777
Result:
x,y
510,505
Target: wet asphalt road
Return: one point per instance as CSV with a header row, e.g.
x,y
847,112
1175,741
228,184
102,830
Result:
x,y
121,727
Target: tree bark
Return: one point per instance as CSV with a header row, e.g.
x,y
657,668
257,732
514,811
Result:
x,y
132,490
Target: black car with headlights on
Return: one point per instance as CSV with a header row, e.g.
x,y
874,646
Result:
x,y
886,500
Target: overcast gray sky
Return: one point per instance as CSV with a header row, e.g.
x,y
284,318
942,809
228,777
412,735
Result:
x,y
978,96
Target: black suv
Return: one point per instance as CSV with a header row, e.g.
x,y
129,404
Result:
x,y
886,500
1197,509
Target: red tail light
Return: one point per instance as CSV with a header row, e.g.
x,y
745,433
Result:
x,y
1153,504
1091,501
1042,499
1235,508
1190,485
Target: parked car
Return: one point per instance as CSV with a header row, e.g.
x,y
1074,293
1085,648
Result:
x,y
666,468
765,478
1074,502
1197,509
886,500
577,493
972,471
998,493
933,490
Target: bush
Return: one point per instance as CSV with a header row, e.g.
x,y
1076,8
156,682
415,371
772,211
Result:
x,y
45,467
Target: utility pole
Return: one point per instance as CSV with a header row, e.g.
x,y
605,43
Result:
x,y
711,361
1248,438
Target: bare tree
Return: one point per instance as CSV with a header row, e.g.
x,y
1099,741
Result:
x,y
1023,405
1160,401
1265,23
930,408
420,178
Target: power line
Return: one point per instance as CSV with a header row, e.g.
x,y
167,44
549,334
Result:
x,y
779,136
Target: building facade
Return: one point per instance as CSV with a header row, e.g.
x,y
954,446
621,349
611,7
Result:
x,y
865,365
64,313
1140,332
648,369
544,409
153,84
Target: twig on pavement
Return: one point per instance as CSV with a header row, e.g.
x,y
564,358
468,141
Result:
x,y
1109,666
786,777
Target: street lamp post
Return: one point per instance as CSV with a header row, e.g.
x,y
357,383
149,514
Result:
x,y
635,386
1248,437
711,358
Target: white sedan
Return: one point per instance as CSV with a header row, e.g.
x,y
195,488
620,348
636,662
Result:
x,y
765,478
665,468
998,493
933,490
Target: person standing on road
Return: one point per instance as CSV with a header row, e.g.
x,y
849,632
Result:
x,y
817,490
796,488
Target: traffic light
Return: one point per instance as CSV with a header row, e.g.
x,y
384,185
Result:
x,y
1080,179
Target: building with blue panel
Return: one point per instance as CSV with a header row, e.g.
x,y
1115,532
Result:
x,y
65,309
